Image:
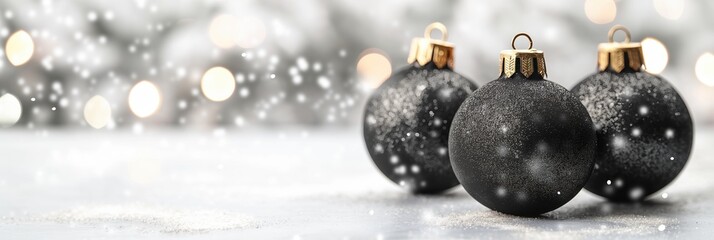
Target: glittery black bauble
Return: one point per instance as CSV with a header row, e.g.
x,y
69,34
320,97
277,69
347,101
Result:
x,y
644,133
406,126
522,146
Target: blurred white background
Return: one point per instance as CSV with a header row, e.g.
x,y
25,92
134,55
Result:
x,y
134,64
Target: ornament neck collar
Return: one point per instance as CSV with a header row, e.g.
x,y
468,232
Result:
x,y
427,50
620,56
528,62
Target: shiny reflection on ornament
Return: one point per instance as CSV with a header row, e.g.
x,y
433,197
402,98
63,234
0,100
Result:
x,y
218,84
10,110
636,132
227,31
670,9
19,48
704,69
669,133
656,56
619,142
144,99
600,11
374,67
636,193
97,112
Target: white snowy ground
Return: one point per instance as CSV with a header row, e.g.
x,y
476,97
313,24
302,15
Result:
x,y
292,184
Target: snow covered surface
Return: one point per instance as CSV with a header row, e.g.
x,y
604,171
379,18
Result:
x,y
289,184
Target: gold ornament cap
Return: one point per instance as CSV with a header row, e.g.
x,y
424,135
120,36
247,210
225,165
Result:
x,y
426,50
529,62
618,56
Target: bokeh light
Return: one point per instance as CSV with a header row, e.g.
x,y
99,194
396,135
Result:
x,y
670,9
656,56
704,69
600,11
250,32
19,48
374,67
10,110
97,112
218,84
227,31
221,31
144,99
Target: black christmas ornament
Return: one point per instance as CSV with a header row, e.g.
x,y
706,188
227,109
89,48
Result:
x,y
643,127
521,144
407,119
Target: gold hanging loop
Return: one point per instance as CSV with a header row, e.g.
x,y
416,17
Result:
x,y
614,29
436,26
530,41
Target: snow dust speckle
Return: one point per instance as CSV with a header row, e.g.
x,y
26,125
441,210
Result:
x,y
149,218
644,110
553,225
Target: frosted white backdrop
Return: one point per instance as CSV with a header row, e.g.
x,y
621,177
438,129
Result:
x,y
302,72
